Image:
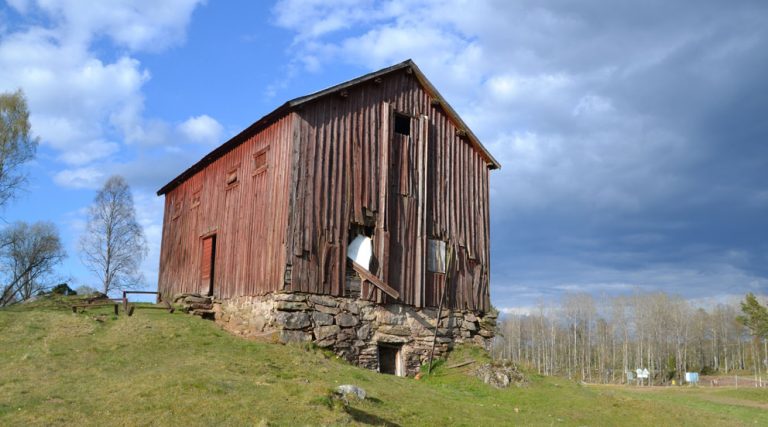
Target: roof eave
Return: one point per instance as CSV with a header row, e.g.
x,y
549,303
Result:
x,y
226,147
492,162
297,102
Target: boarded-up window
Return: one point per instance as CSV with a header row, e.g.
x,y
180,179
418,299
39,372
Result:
x,y
195,199
260,160
436,256
177,206
232,177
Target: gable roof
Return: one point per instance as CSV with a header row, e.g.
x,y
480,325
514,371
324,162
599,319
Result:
x,y
289,106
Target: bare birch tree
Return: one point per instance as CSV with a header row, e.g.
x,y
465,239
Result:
x,y
601,341
28,256
113,244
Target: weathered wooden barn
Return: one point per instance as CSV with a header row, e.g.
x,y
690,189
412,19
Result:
x,y
273,210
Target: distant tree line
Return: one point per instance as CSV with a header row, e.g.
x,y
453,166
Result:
x,y
600,340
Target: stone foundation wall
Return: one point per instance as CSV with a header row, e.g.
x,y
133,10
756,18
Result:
x,y
354,328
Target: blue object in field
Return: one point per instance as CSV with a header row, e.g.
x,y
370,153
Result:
x,y
692,377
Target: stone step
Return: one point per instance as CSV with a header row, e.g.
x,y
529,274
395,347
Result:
x,y
205,314
200,306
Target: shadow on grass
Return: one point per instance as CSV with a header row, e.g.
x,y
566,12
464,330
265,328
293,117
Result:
x,y
366,418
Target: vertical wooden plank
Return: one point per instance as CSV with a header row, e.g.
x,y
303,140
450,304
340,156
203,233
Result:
x,y
382,238
336,155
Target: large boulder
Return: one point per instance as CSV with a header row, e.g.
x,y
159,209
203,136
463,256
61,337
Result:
x,y
322,319
290,297
291,305
346,390
326,309
326,332
391,316
290,337
292,320
400,330
500,375
346,320
323,300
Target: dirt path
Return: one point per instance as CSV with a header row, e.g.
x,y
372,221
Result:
x,y
703,393
733,401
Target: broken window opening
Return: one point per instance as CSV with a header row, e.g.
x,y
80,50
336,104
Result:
x,y
402,124
436,261
360,250
360,230
391,360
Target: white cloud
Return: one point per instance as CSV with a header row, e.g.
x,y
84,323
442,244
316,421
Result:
x,y
85,177
84,107
71,94
88,152
135,24
202,129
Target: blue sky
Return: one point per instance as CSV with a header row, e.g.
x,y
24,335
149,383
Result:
x,y
633,135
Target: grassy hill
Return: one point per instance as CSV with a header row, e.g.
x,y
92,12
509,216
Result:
x,y
156,368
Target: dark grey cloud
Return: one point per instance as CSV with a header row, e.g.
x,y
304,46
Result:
x,y
633,135
664,189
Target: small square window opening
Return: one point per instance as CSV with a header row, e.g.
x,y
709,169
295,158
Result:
x,y
402,124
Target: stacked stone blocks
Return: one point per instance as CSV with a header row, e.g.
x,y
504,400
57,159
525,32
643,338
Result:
x,y
354,328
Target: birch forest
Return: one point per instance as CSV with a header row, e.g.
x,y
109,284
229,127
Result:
x,y
599,340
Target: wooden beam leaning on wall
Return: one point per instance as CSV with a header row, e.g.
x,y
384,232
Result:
x,y
367,275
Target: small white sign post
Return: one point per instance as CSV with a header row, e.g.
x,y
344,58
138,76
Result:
x,y
642,374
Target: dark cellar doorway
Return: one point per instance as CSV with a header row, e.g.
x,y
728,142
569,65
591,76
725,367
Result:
x,y
390,359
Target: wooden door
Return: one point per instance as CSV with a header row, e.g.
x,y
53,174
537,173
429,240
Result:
x,y
207,264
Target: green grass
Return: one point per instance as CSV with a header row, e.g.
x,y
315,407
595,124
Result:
x,y
155,368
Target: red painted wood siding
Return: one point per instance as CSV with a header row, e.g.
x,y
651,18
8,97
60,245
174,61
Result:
x,y
334,161
249,218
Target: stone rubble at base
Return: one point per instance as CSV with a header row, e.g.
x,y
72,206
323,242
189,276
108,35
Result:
x,y
351,328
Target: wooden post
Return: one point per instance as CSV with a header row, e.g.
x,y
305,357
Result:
x,y
381,238
367,275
